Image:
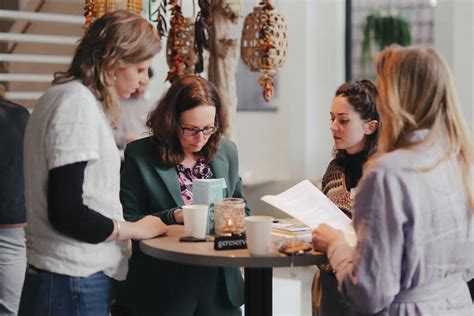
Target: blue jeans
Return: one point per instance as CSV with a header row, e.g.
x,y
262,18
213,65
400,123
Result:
x,y
12,268
47,293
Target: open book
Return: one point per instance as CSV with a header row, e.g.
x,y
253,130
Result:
x,y
309,205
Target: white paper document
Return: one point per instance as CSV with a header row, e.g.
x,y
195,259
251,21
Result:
x,y
309,205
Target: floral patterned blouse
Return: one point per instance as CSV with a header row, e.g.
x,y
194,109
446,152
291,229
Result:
x,y
186,176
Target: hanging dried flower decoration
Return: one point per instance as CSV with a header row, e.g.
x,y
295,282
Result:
x,y
264,44
94,9
160,12
180,53
186,39
202,26
89,13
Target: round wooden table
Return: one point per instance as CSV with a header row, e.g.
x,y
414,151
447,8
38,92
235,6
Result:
x,y
258,270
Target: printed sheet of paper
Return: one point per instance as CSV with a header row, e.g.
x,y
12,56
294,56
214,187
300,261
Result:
x,y
309,205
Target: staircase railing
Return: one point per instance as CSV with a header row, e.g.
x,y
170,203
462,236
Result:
x,y
23,37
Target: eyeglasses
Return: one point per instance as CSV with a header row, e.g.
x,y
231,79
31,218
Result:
x,y
191,131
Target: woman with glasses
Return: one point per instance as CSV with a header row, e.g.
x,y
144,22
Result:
x,y
186,144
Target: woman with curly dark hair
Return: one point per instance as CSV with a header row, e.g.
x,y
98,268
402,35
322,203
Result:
x,y
355,128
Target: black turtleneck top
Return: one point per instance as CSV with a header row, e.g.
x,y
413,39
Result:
x,y
352,165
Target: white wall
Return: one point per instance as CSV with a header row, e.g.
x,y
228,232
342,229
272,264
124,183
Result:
x,y
294,142
454,38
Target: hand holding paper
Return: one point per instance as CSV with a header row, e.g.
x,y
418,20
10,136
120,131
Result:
x,y
308,204
324,235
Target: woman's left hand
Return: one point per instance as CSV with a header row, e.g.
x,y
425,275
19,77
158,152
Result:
x,y
324,235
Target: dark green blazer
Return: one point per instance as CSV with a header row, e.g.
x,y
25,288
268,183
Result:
x,y
147,187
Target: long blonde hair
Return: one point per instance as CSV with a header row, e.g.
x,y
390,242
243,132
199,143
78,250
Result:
x,y
416,91
117,38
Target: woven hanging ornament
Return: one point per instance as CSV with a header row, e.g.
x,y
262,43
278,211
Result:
x,y
180,53
264,44
94,9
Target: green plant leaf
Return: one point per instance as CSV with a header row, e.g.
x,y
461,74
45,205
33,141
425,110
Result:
x,y
384,31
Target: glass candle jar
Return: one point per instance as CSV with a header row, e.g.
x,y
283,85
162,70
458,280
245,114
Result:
x,y
229,216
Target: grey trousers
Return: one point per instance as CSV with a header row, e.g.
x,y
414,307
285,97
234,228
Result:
x,y
12,268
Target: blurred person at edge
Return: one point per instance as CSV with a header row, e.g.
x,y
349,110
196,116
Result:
x,y
413,212
77,240
157,176
355,129
133,115
13,120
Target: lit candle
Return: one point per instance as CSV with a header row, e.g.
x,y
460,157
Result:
x,y
229,216
230,225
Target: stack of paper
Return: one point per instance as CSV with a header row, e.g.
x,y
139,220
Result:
x,y
309,205
290,228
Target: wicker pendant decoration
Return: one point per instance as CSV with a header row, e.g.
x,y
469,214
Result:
x,y
180,54
94,9
264,44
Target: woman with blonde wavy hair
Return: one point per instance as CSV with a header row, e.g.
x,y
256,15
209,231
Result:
x,y
76,236
414,209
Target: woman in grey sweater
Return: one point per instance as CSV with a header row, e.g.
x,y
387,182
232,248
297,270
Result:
x,y
413,213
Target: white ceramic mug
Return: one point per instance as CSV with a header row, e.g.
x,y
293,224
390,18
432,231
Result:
x,y
259,234
195,220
